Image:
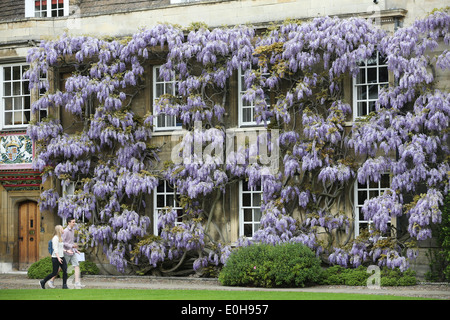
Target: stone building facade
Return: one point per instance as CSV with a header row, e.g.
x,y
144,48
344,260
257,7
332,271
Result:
x,y
24,230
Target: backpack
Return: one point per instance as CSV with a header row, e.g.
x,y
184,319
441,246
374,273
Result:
x,y
50,247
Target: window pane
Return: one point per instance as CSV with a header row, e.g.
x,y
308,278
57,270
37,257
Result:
x,y
362,185
362,108
385,181
243,88
17,103
373,91
159,90
16,88
362,95
8,103
363,226
248,230
246,200
26,103
42,114
169,88
25,87
246,115
17,118
160,201
7,73
7,89
8,118
361,77
16,73
169,200
179,215
161,120
372,106
360,215
248,216
362,195
371,75
27,117
170,121
257,213
383,74
373,194
256,200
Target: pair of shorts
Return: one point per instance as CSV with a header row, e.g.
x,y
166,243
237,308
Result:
x,y
71,259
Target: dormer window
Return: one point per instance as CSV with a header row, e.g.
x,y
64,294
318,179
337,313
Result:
x,y
46,8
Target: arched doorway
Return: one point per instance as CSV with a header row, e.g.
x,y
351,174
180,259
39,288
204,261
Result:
x,y
29,227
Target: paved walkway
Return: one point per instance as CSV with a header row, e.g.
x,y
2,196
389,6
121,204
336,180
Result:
x,y
19,280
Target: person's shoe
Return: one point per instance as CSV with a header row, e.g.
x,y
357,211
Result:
x,y
51,285
78,285
42,284
65,286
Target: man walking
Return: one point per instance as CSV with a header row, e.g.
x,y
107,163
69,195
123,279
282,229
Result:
x,y
70,249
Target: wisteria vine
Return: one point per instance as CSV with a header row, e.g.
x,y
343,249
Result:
x,y
302,67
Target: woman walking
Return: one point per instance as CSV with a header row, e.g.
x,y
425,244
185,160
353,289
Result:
x,y
58,260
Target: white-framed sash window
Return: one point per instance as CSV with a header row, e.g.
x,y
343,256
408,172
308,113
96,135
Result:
x,y
15,97
363,192
249,209
162,87
246,112
373,75
165,198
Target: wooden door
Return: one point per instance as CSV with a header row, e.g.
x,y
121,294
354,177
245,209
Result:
x,y
29,220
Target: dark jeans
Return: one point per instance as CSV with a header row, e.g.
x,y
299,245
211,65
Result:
x,y
56,266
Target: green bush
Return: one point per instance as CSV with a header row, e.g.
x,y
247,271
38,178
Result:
x,y
88,267
40,269
337,275
261,265
440,259
394,277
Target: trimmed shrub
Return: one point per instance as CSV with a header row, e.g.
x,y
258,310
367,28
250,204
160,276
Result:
x,y
394,277
263,265
88,267
337,275
40,269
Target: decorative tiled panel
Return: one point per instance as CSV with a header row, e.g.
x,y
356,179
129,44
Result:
x,y
16,151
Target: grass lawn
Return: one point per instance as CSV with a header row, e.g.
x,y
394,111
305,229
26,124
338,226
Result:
x,y
133,294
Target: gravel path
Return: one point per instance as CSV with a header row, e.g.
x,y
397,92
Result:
x,y
20,280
